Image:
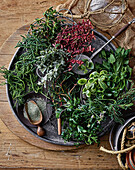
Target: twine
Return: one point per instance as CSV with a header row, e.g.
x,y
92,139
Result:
x,y
117,152
120,151
122,147
87,14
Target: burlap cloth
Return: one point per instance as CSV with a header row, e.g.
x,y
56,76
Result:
x,y
126,39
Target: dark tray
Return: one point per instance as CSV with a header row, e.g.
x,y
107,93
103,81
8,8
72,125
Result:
x,y
51,123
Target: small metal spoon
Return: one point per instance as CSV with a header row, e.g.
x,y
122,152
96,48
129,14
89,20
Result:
x,y
75,67
40,130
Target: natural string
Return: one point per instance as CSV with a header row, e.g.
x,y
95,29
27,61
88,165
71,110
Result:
x,y
122,147
117,152
87,14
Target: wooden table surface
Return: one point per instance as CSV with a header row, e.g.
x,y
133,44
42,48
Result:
x,y
15,152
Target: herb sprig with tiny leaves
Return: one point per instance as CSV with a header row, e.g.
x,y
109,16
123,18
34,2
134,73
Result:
x,y
83,121
76,40
78,121
51,63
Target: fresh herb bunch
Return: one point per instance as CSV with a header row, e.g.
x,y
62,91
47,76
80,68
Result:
x,y
79,122
117,65
115,61
63,88
76,39
86,66
51,63
95,84
42,33
108,84
111,77
83,122
114,108
23,79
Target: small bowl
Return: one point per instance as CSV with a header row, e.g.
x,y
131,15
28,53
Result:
x,y
131,159
116,132
45,112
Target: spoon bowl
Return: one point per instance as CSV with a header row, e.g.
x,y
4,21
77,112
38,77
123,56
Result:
x,y
75,67
34,116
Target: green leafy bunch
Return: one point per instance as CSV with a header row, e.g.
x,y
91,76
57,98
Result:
x,y
80,121
21,80
51,63
95,84
22,77
63,88
115,61
107,84
85,121
119,72
115,108
86,66
42,33
111,77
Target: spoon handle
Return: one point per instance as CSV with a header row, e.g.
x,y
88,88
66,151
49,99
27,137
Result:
x,y
96,52
59,126
114,36
40,131
122,29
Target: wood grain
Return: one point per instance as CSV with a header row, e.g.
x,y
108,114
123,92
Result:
x,y
15,152
21,154
16,13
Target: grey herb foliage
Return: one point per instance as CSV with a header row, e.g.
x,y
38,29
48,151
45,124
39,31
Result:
x,y
51,63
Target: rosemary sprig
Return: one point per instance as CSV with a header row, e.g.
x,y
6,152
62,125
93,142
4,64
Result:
x,y
22,79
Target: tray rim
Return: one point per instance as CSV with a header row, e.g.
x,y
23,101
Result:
x,y
104,38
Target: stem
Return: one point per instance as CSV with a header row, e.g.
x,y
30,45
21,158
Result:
x,y
72,88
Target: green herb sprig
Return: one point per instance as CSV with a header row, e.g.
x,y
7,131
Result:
x,y
42,33
79,122
51,63
23,79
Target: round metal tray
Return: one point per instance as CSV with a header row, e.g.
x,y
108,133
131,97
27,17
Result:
x,y
51,125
